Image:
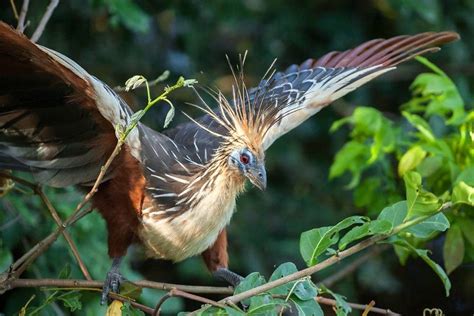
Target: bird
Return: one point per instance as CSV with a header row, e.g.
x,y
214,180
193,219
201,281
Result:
x,y
173,191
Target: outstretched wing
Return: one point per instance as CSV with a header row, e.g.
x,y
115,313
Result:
x,y
302,90
56,120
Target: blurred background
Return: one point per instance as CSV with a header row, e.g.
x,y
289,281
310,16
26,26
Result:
x,y
116,39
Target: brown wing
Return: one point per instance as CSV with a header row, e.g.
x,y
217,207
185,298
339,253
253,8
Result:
x,y
55,119
303,90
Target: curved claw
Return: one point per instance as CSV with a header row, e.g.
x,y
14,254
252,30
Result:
x,y
112,281
111,284
228,276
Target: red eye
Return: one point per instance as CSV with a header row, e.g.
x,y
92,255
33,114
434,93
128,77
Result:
x,y
244,158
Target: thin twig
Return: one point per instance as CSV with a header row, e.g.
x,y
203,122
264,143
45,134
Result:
x,y
368,308
157,310
115,296
331,260
176,292
147,84
353,266
15,11
362,307
139,306
19,266
74,283
21,19
44,20
65,233
38,191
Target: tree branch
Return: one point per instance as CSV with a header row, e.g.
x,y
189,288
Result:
x,y
176,292
44,20
38,191
19,266
362,307
330,261
72,283
21,18
353,266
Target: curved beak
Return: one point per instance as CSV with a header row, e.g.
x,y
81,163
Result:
x,y
258,176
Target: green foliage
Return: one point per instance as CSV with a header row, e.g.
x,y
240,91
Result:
x,y
128,310
301,293
268,30
434,160
342,308
316,242
126,12
423,254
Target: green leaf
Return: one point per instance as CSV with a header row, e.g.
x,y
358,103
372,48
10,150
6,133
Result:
x,y
467,176
430,65
463,194
352,157
304,289
65,272
430,166
307,308
430,226
337,124
211,311
423,254
315,242
342,308
421,125
71,300
264,305
136,116
251,281
453,249
467,228
419,201
129,289
436,94
411,159
395,214
129,14
367,229
169,116
6,257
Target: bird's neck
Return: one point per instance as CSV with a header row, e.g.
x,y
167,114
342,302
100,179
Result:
x,y
226,179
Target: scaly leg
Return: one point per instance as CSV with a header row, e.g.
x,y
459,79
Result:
x,y
112,280
217,261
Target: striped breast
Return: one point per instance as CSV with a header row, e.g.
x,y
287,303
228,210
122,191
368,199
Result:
x,y
195,229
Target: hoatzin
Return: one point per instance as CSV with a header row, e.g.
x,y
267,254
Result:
x,y
175,191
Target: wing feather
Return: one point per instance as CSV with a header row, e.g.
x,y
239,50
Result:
x,y
301,91
56,120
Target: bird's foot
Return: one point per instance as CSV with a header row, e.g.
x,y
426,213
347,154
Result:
x,y
112,281
228,276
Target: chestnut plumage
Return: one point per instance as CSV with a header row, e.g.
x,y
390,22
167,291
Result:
x,y
175,191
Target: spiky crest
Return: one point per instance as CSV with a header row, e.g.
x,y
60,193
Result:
x,y
245,119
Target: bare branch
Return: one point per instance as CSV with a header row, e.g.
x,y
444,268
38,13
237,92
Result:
x,y
44,20
38,191
176,292
362,307
353,266
19,266
21,19
15,11
72,283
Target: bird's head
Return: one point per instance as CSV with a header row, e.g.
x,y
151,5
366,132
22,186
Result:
x,y
249,163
